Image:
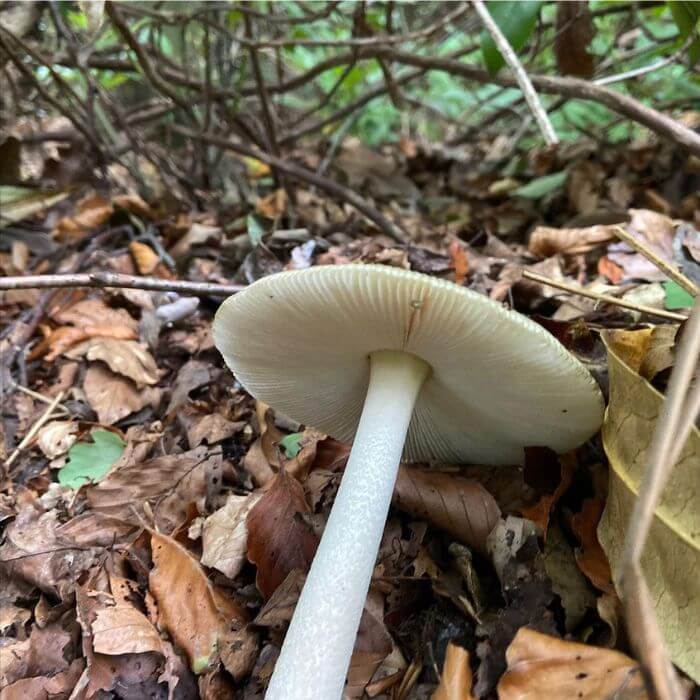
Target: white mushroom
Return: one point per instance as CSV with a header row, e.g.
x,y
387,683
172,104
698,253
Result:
x,y
404,364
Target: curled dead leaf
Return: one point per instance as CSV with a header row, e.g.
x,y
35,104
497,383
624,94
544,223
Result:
x,y
126,357
546,241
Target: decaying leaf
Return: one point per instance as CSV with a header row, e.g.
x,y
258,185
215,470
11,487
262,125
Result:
x,y
225,535
672,550
462,507
540,666
169,484
192,610
279,539
56,437
546,241
372,646
114,397
590,557
126,357
122,629
456,678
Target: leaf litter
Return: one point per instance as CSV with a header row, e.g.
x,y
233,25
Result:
x,y
158,529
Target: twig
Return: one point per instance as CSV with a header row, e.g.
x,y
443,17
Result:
x,y
605,298
296,171
34,429
39,397
511,59
672,428
678,277
570,87
113,279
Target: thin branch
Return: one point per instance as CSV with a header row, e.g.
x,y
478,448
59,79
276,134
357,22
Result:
x,y
296,171
511,59
605,298
671,272
570,87
113,279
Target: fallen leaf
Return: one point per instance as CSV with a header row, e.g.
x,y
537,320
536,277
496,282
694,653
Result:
x,y
145,258
372,645
541,666
169,484
57,686
225,535
590,557
190,608
56,437
122,629
272,206
567,580
546,241
460,261
672,549
191,376
279,608
456,679
211,428
90,212
90,461
114,397
198,234
279,540
460,506
126,357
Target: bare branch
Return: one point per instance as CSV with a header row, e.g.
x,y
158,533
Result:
x,y
524,83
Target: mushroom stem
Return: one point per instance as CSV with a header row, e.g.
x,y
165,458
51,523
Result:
x,y
316,652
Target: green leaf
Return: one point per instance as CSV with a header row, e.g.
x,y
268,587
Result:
x,y
539,187
255,230
517,21
90,461
17,203
687,17
676,296
290,444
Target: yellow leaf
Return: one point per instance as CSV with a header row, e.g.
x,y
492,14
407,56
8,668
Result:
x,y
671,560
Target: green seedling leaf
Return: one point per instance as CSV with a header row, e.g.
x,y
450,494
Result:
x,y
17,203
90,461
517,21
541,186
676,296
255,230
290,445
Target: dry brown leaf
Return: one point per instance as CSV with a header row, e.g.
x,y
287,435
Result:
x,y
456,679
57,686
540,666
145,258
546,241
114,397
225,535
190,608
590,557
199,234
372,646
460,506
279,539
191,376
211,428
90,212
126,357
263,454
122,629
169,484
272,206
89,313
460,261
278,610
57,437
134,204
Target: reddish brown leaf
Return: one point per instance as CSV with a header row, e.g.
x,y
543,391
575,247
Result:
x,y
462,507
190,608
591,558
279,539
460,262
540,666
456,678
611,270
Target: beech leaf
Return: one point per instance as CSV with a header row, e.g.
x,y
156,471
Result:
x,y
672,550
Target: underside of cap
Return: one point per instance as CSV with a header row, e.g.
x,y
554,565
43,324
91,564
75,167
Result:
x,y
300,341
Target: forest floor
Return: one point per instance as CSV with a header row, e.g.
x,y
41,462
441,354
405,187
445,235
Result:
x,y
137,558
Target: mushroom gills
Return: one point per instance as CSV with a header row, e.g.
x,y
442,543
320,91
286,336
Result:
x,y
315,656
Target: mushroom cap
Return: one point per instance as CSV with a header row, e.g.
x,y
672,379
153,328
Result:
x,y
300,341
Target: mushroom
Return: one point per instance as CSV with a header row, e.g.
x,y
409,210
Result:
x,y
406,365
